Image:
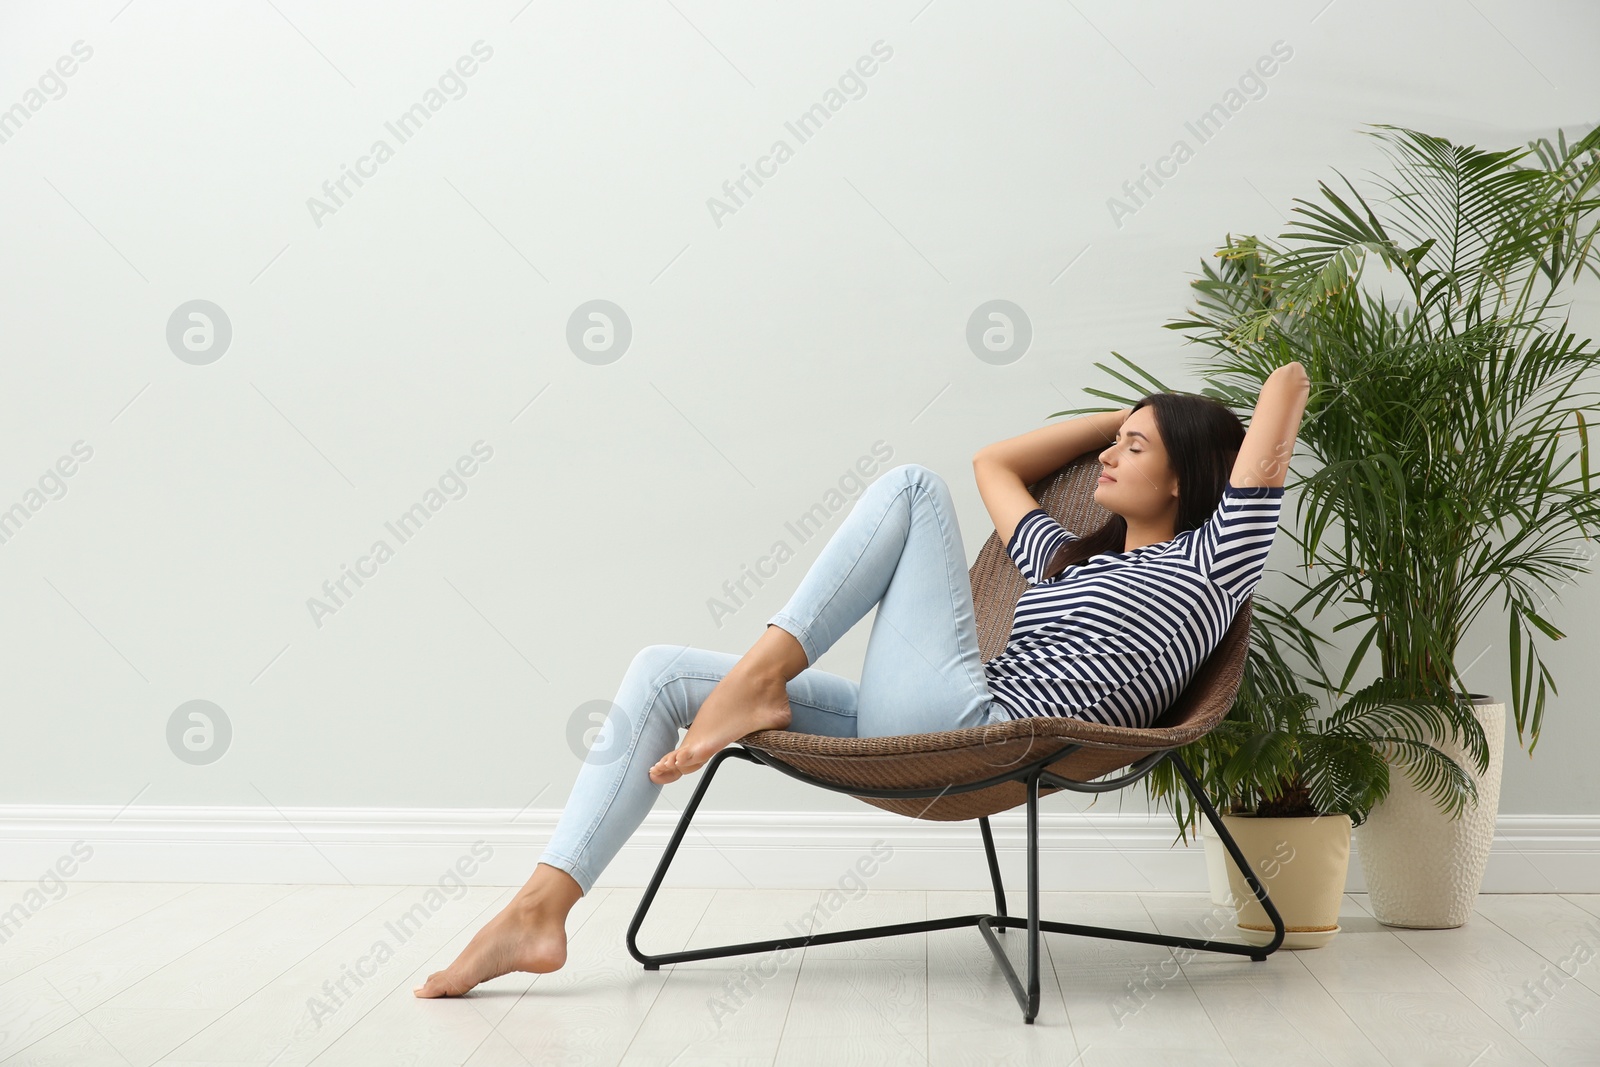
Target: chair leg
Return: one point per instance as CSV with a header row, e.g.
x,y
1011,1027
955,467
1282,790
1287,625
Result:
x,y
994,868
654,962
1256,887
1031,1009
1027,999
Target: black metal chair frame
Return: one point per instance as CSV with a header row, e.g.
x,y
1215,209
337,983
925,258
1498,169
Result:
x,y
1033,775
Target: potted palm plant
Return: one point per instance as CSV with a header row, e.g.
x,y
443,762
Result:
x,y
1290,784
1443,420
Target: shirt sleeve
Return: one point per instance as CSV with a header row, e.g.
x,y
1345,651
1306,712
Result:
x,y
1035,542
1231,548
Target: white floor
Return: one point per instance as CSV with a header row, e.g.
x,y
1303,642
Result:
x,y
145,973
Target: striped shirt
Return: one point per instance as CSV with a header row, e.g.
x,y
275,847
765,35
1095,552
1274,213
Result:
x,y
1116,638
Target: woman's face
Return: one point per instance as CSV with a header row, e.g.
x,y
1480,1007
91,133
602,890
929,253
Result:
x,y
1137,482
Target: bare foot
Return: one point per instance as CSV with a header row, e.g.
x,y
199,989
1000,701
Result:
x,y
741,703
522,937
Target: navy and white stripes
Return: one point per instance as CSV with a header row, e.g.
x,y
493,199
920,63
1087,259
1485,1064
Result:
x,y
1116,638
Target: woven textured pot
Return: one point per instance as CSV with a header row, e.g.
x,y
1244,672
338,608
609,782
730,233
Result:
x,y
1423,868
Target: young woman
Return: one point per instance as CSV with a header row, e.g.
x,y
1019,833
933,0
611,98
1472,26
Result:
x,y
1111,627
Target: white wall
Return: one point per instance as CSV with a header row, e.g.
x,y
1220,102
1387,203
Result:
x,y
771,348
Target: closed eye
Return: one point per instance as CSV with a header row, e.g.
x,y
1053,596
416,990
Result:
x,y
1127,437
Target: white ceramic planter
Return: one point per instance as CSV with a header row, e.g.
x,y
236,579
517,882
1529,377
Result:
x,y
1302,862
1423,868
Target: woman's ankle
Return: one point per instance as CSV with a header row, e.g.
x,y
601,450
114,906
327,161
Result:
x,y
550,891
777,653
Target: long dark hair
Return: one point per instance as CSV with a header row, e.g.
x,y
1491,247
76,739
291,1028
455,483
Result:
x,y
1202,438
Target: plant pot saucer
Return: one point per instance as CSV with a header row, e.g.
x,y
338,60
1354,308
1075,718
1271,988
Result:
x,y
1292,939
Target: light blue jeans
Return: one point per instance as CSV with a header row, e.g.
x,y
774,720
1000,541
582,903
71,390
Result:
x,y
899,548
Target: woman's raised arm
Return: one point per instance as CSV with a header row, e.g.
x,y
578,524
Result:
x,y
1005,469
1269,442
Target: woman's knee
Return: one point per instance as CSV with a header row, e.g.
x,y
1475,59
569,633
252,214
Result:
x,y
908,472
654,660
918,477
916,474
656,667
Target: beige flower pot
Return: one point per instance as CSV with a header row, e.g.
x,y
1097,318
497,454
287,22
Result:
x,y
1423,868
1302,862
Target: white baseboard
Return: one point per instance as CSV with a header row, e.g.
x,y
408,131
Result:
x,y
810,850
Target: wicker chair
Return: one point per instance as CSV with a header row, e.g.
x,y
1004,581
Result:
x,y
974,773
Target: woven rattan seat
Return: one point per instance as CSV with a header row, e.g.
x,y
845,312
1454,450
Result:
x,y
956,775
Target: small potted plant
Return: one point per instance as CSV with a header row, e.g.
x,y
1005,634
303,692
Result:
x,y
1290,785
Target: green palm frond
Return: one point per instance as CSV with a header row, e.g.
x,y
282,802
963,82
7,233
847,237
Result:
x,y
1470,232
1387,710
1152,384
